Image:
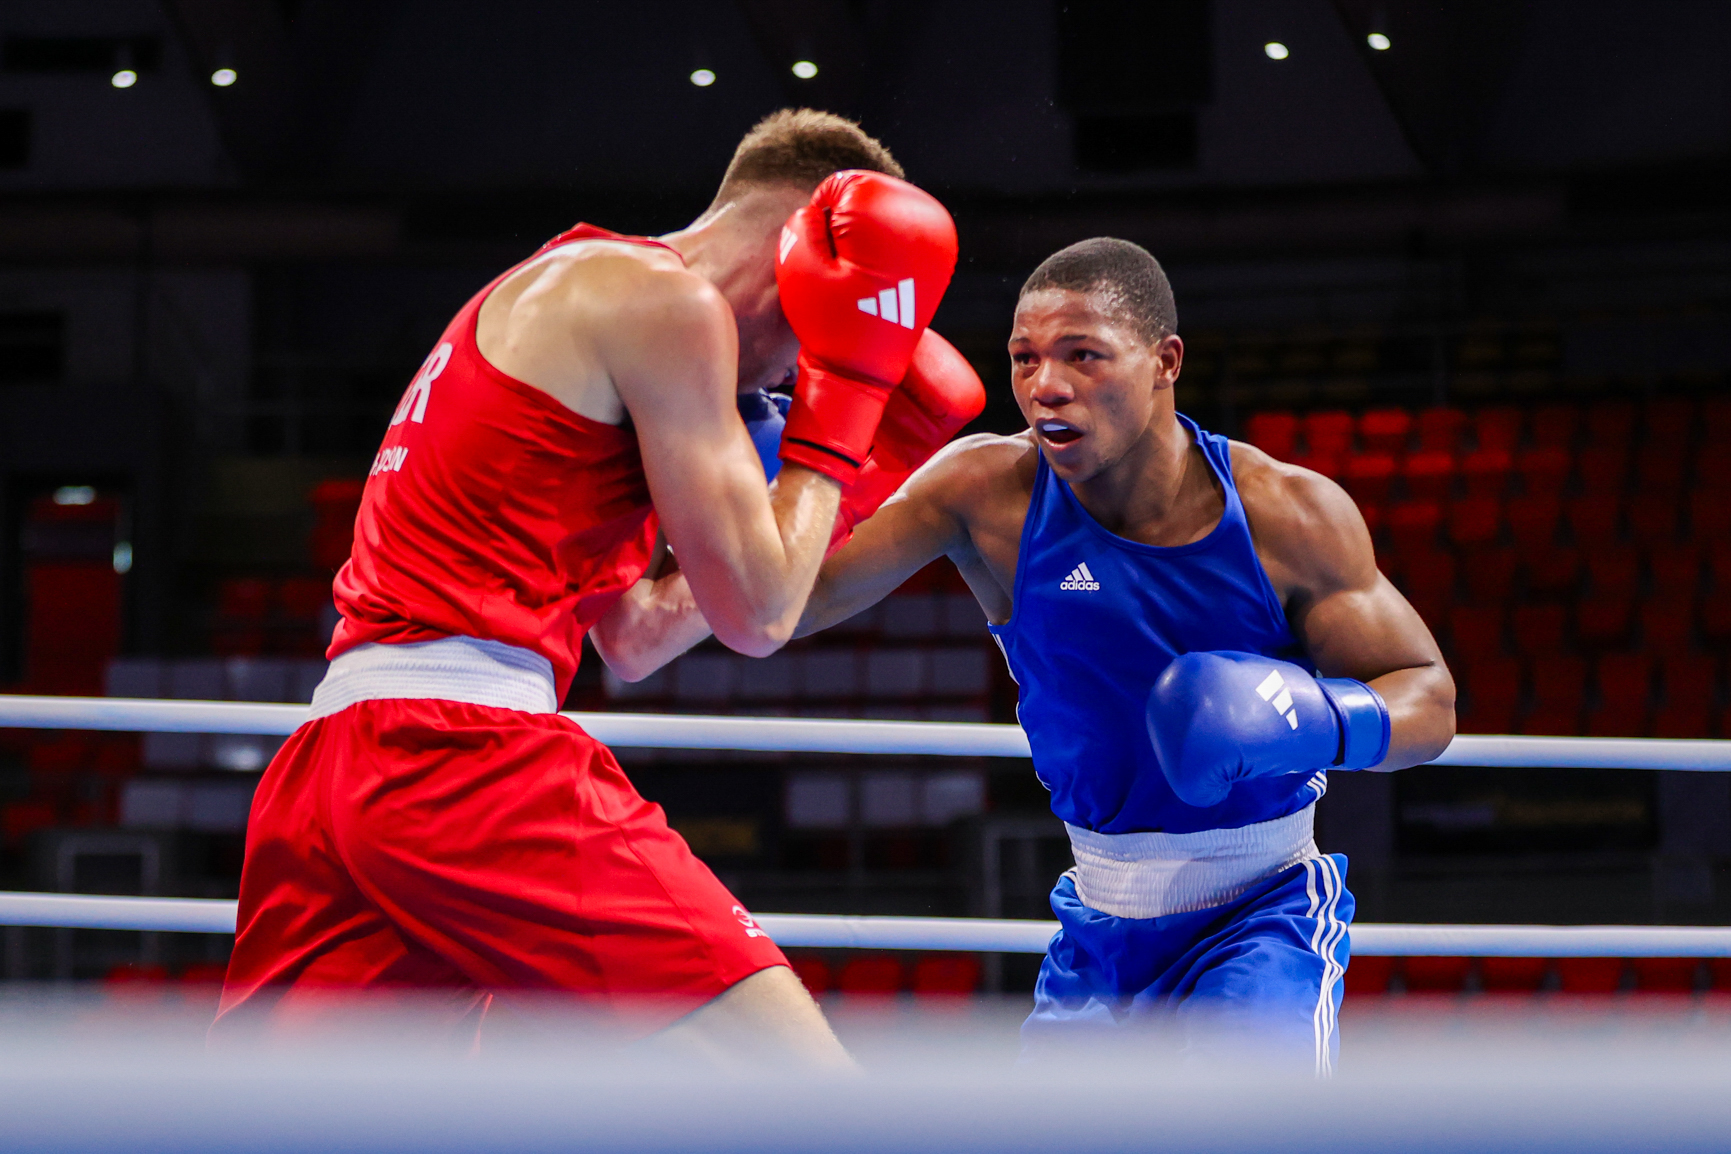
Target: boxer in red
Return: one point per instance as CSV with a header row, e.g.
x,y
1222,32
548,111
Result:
x,y
436,824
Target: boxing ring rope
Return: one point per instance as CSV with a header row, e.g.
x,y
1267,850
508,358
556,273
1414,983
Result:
x,y
811,735
771,734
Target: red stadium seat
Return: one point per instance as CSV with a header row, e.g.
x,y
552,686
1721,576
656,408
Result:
x,y
1275,433
1426,975
1683,721
1603,468
1615,571
1476,631
1555,424
1385,430
1543,469
1665,975
1610,422
1676,571
1719,969
1329,431
1475,521
1430,474
1533,519
1653,518
1490,574
1440,429
1668,624
1512,975
1328,464
871,974
952,975
1670,420
1553,720
1498,427
1426,571
812,971
1716,618
243,598
1493,689
1625,677
1553,570
1593,519
1559,679
1539,628
1590,975
1368,974
1689,679
1713,467
1716,420
1659,469
1603,622
1710,514
1719,566
1368,476
1412,526
1486,472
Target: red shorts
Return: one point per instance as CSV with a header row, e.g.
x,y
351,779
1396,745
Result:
x,y
433,844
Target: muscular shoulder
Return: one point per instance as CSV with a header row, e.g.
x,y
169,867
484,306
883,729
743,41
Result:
x,y
981,471
1304,525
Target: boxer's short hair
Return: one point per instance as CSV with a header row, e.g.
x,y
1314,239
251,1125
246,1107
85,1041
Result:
x,y
1125,272
801,146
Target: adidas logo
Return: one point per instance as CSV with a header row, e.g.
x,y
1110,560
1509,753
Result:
x,y
788,240
893,305
1273,690
1081,579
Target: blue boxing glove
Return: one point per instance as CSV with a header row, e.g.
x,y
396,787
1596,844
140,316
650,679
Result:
x,y
1219,718
765,414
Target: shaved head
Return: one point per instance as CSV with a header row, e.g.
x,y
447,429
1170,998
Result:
x,y
1126,275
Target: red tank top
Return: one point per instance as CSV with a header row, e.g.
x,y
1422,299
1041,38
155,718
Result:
x,y
494,511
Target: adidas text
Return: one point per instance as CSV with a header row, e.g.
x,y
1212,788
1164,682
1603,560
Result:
x,y
1080,579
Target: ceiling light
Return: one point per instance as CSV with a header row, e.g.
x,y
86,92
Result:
x,y
804,69
223,77
125,78
74,495
703,78
1378,41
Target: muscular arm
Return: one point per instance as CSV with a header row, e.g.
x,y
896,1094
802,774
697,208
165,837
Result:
x,y
748,557
1351,621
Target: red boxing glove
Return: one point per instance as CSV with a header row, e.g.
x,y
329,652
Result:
x,y
861,270
940,394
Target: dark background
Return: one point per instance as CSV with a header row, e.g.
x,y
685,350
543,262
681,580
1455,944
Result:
x,y
211,297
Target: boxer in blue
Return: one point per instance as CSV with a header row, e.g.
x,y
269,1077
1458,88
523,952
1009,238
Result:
x,y
1199,633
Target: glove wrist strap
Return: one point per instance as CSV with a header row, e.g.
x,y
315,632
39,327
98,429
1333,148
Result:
x,y
1364,722
832,422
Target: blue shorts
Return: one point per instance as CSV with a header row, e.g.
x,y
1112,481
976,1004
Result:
x,y
1257,977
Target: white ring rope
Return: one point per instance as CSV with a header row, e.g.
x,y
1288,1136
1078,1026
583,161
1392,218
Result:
x,y
767,734
803,735
211,916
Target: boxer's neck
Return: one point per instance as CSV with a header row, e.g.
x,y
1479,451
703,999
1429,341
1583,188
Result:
x,y
732,245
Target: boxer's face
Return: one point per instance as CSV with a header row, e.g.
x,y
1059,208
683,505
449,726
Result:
x,y
1089,384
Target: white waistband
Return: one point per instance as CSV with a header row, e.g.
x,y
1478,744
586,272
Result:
x,y
465,669
1150,875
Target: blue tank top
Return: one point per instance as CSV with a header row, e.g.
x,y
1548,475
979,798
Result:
x,y
1097,617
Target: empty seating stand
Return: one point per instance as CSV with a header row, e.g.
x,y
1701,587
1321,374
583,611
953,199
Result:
x,y
1573,558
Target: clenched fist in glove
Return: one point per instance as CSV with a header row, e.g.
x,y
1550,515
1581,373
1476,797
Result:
x,y
861,270
1219,718
940,394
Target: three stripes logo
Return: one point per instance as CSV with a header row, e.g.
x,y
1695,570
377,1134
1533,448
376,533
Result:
x,y
1080,579
1273,690
893,305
